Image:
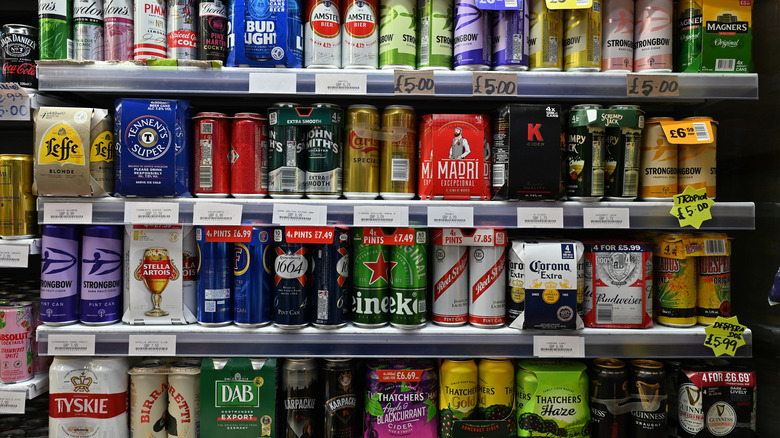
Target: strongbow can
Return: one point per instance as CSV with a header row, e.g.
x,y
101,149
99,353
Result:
x,y
582,38
182,28
398,34
55,20
434,51
150,37
618,36
360,48
510,38
118,35
545,37
370,285
408,274
322,34
658,160
101,274
473,49
450,282
60,274
497,392
361,153
253,280
697,165
653,35
249,156
458,393
398,173
211,170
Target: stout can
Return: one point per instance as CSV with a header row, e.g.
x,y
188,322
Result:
x,y
510,38
398,34
19,52
690,34
487,283
149,399
451,283
621,165
215,280
18,216
649,416
458,392
546,37
360,38
340,416
497,391
55,21
286,168
292,283
582,38
515,287
253,280
653,35
150,36
618,36
330,263
609,391
409,282
658,161
361,154
212,151
713,288
16,342
675,291
324,150
300,385
118,34
182,29
212,35
434,51
60,274
88,29
473,49
249,156
697,165
585,146
398,176
370,285
184,399
101,274
322,34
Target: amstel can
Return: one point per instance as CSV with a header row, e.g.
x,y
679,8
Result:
x,y
585,146
55,20
609,390
451,283
545,37
324,151
649,418
458,393
515,287
249,156
582,38
621,164
473,43
182,28
16,342
690,34
184,399
212,30
149,399
18,216
697,164
618,36
409,282
287,156
658,161
101,274
497,391
360,36
118,35
322,33
60,274
211,151
215,280
150,36
330,263
340,417
510,38
299,397
487,283
292,283
398,175
253,280
653,35
434,51
675,291
370,285
361,153
713,288
398,34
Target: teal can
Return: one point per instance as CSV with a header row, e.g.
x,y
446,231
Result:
x,y
324,154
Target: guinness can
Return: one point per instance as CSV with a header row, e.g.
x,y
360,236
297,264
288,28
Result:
x,y
299,398
340,416
609,390
648,392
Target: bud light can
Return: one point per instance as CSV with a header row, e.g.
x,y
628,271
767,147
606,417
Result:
x,y
150,37
292,282
252,282
60,274
510,38
331,280
55,20
215,280
322,34
265,30
472,37
182,29
212,38
618,40
101,274
118,35
361,34
88,29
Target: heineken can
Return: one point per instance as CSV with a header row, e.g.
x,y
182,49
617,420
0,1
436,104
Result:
x,y
55,22
322,34
299,401
582,38
339,408
360,38
361,154
324,146
398,176
451,283
435,17
487,283
690,34
398,34
330,263
497,391
510,38
118,35
88,30
370,286
287,175
585,150
408,282
458,393
182,28
292,283
473,49
150,36
545,37
621,165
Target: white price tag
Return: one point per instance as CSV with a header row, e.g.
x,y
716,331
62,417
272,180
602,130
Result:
x,y
540,217
13,256
157,213
559,346
71,345
14,102
605,218
461,217
300,214
380,216
216,214
12,402
67,213
152,345
340,84
273,83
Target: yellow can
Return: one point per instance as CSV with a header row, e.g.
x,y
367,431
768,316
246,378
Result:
x,y
496,389
398,176
658,161
457,392
697,166
18,217
713,285
674,283
361,152
582,38
545,37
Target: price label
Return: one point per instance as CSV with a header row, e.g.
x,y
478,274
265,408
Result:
x,y
216,214
71,345
688,132
559,346
414,82
152,345
605,218
692,207
399,375
340,84
494,84
569,4
380,216
441,217
652,85
13,256
14,102
539,217
273,83
725,336
67,213
299,214
12,402
152,213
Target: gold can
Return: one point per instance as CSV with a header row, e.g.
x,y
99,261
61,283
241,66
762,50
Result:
x,y
546,35
658,163
674,282
697,165
398,175
458,388
713,283
18,217
361,154
582,39
496,389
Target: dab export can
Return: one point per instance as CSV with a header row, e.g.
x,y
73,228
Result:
x,y
585,144
398,172
458,392
658,161
582,38
545,37
361,154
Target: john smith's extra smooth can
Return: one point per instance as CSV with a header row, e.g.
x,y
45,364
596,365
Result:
x,y
398,175
487,283
609,389
322,33
690,34
182,29
653,35
286,168
545,37
361,152
211,150
675,291
658,161
150,36
697,163
253,280
409,282
55,21
497,391
339,399
18,54
618,36
212,32
510,38
118,32
18,216
101,274
60,274
370,285
249,156
582,38
215,280
324,152
585,149
292,283
458,392
436,18
398,34
649,417
16,341
621,164
450,283
360,36
473,43
299,398
330,263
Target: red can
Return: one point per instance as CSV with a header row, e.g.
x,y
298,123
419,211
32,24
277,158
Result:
x,y
212,147
249,156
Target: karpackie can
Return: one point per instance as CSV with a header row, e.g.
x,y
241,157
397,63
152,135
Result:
x,y
617,53
322,34
458,392
653,35
621,163
451,283
545,37
398,175
515,287
675,291
330,263
55,22
19,52
340,417
184,399
16,341
292,283
150,40
487,300
398,34
697,163
101,274
497,391
324,152
211,169
182,29
713,289
18,216
582,38
690,35
88,30
300,398
249,156
60,274
361,152
253,280
409,282
286,166
360,35
658,161
212,32
648,388
609,392
149,399
510,38
434,50
473,43
585,150
215,280
370,285
118,33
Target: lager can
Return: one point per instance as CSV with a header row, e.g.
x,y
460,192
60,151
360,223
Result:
x,y
184,399
149,399
292,283
253,280
713,288
215,280
88,30
585,146
324,150
18,216
617,53
510,38
150,40
398,34
118,36
212,150
434,51
515,287
458,392
653,35
248,154
189,272
19,52
370,285
690,34
582,38
101,153
331,281
621,165
697,164
546,37
101,274
286,174
409,282
473,43
487,283
497,391
361,156
55,21
609,390
322,34
16,342
451,283
340,417
60,274
675,291
649,417
182,29
360,38
300,386
212,36
398,176
658,161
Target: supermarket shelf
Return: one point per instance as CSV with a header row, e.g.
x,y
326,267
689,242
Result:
x,y
430,341
13,253
18,108
496,214
128,78
33,388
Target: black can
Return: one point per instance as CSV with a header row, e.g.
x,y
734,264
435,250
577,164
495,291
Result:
x,y
292,282
212,38
331,281
339,413
299,398
648,393
20,51
609,391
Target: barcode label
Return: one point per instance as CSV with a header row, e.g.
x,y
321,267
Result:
x,y
596,5
210,306
553,52
518,48
582,2
289,177
399,169
499,176
206,128
596,44
425,41
715,247
205,177
630,178
510,3
322,304
597,186
604,313
702,133
724,64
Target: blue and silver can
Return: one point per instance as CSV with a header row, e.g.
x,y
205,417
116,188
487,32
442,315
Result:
x,y
292,283
472,37
60,274
215,280
272,30
101,274
510,38
331,281
253,280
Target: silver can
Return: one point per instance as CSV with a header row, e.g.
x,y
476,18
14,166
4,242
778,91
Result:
x,y
88,29
515,288
299,396
322,34
182,29
487,300
149,399
451,285
360,34
184,399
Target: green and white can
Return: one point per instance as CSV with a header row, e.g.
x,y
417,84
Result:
x,y
436,18
370,286
398,34
409,282
55,20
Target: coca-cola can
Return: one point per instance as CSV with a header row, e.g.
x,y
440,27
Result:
x,y
149,399
118,35
184,399
182,29
249,156
19,45
212,147
487,306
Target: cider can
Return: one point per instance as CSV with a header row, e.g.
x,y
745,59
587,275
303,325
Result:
x,y
398,151
585,149
675,291
472,47
653,35
398,34
361,152
458,392
434,50
658,163
545,37
690,34
497,391
582,38
618,36
697,165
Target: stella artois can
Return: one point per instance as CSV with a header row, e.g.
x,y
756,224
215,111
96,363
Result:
x,y
149,399
487,306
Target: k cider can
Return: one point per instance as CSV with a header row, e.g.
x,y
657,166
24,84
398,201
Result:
x,y
582,38
658,163
212,149
398,151
18,216
545,37
618,36
697,165
361,152
653,35
322,33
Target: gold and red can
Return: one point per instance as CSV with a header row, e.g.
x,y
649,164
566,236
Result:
x,y
713,283
458,393
697,166
361,155
674,284
211,169
497,391
398,173
658,163
18,217
249,156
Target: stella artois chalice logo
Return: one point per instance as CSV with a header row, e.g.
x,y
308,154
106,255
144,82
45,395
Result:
x,y
156,269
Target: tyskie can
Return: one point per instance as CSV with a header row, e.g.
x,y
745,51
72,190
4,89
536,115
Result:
x,y
182,29
409,282
55,21
497,391
450,282
398,150
253,280
434,51
150,40
101,274
19,52
713,289
515,287
360,35
653,35
621,164
299,394
184,398
60,274
118,33
330,263
212,33
398,34
473,43
287,156
510,38
697,163
215,280
370,285
658,161
585,150
458,392
322,34
361,152
617,52
16,342
211,169
545,37
88,30
690,35
292,283
340,417
609,391
149,399
675,291
249,156
649,418
582,38
324,152
487,283
18,216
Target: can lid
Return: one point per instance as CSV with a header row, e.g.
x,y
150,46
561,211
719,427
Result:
x,y
325,105
286,105
624,106
104,231
14,28
403,107
22,157
701,119
581,106
210,114
72,232
361,106
647,363
249,116
609,363
659,119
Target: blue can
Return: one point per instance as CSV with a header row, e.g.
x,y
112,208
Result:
x,y
101,274
292,283
215,280
60,274
510,38
331,281
472,49
263,33
253,280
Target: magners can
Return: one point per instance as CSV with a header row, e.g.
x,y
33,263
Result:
x,y
690,34
409,282
545,37
658,161
370,285
458,393
582,38
398,175
361,154
585,146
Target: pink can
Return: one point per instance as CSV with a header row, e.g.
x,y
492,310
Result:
x,y
118,36
653,35
40,363
16,363
617,52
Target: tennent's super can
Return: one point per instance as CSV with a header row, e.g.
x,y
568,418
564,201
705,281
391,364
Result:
x,y
212,32
286,168
18,216
55,21
545,37
436,18
118,32
324,151
458,392
249,156
182,28
292,283
510,38
653,35
409,282
582,38
331,281
398,34
211,151
360,37
322,33
60,274
101,274
361,153
215,280
370,285
585,150
451,283
150,25
398,176
473,44
618,36
697,165
487,306
253,280
658,161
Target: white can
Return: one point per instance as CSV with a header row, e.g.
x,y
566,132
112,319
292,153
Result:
x,y
487,283
360,36
653,35
149,399
617,29
515,288
184,399
451,286
322,34
150,35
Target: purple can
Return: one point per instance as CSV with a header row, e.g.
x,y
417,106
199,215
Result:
x,y
101,274
118,35
472,37
510,38
60,274
402,399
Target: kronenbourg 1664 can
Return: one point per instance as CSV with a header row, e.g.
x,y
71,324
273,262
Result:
x,y
60,274
292,282
253,279
510,38
101,274
617,52
360,38
118,32
322,34
398,34
487,306
473,49
331,280
215,280
88,29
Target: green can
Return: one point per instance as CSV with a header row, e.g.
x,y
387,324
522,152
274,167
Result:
x,y
409,282
690,35
370,286
623,139
585,154
324,154
55,20
287,162
436,24
398,34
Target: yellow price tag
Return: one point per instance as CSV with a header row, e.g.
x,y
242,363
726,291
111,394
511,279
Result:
x,y
569,4
688,132
692,207
724,336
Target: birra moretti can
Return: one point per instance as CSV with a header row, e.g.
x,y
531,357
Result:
x,y
360,48
150,35
322,34
618,36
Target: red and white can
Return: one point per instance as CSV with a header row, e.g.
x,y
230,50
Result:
x,y
360,36
211,169
451,282
617,52
150,36
653,35
322,34
249,156
182,29
487,281
16,342
149,399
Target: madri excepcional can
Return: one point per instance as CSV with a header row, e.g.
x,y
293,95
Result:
x,y
249,156
582,38
211,150
18,216
398,173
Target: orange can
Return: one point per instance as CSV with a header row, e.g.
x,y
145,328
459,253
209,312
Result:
x,y
658,161
697,165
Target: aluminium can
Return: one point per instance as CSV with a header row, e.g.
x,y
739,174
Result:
x,y
19,53
409,282
675,291
658,161
621,163
370,285
118,39
215,280
487,283
18,216
88,30
322,33
510,38
211,169
149,399
585,149
713,288
398,150
609,390
545,37
697,163
361,152
182,29
189,270
398,34
249,156
60,274
649,388
287,156
340,417
16,342
497,391
473,48
101,274
458,392
617,52
330,263
450,284
653,35
212,30
515,287
582,38
150,40
101,152
360,35
184,399
253,279
55,22
435,47
299,397
292,283
690,35
324,152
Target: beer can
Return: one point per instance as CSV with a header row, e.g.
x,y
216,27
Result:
x,y
149,399
19,52
473,43
653,35
697,163
649,389
713,289
370,285
55,21
101,153
675,291
609,392
18,216
16,342
118,35
248,154
184,399
88,30
361,156
398,34
585,146
515,287
330,263
101,274
690,34
546,37
324,150
189,272
434,51
212,150
182,29
299,394
487,283
286,168
322,34
150,40
658,161
292,283
617,53
582,38
497,391
458,393
621,164
360,37
340,416
215,280
409,282
510,38
398,175
253,280
212,33
60,274
451,284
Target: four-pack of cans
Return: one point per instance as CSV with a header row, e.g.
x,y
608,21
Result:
x,y
265,34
